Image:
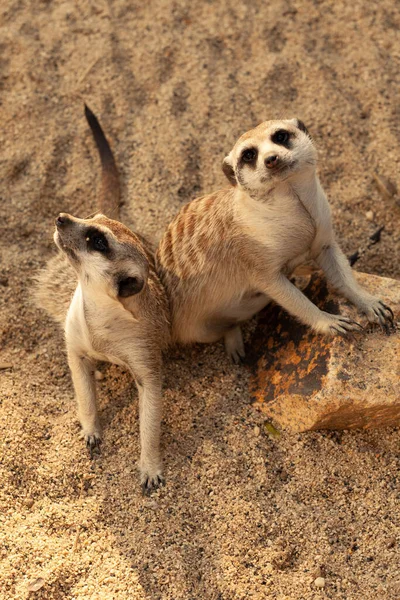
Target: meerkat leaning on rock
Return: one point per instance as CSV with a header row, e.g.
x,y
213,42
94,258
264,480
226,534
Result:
x,y
226,255
104,289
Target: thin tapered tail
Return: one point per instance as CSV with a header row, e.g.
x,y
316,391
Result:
x,y
109,197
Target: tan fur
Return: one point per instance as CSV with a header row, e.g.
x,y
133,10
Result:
x,y
226,255
113,308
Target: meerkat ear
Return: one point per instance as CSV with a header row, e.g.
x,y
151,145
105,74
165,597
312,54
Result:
x,y
302,127
129,286
228,171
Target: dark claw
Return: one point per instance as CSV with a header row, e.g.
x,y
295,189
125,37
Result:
x,y
386,307
341,333
349,322
145,488
385,321
380,316
150,485
239,359
93,444
389,328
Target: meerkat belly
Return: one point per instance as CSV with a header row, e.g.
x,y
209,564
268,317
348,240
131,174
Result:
x,y
214,307
234,313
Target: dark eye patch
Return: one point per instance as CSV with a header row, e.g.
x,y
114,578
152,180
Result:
x,y
282,138
96,240
248,157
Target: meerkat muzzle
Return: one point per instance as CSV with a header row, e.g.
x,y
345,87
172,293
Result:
x,y
62,220
271,162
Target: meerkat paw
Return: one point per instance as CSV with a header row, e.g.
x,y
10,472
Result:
x,y
234,345
336,325
92,440
378,312
151,480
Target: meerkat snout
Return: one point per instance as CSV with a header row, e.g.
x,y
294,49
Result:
x,y
61,220
271,162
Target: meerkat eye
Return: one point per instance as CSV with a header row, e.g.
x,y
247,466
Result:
x,y
280,137
249,155
100,243
97,241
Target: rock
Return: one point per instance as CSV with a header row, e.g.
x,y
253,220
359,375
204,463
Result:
x,y
319,582
303,381
369,215
257,430
28,502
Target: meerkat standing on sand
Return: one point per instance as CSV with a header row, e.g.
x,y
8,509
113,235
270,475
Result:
x,y
117,311
226,255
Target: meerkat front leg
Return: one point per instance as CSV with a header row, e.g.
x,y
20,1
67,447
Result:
x,y
339,274
82,372
287,295
150,410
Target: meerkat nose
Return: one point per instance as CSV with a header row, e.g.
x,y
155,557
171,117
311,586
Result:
x,y
61,220
271,161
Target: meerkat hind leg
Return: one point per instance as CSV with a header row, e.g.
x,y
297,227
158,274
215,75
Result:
x,y
234,345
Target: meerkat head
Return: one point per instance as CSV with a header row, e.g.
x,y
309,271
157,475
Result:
x,y
107,256
272,152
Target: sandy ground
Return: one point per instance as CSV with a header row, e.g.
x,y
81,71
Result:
x,y
174,83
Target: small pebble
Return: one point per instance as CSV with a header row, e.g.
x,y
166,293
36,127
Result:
x,y
98,375
256,430
36,585
319,582
29,502
152,504
369,215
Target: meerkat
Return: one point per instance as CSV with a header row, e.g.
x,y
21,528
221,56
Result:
x,y
227,255
103,288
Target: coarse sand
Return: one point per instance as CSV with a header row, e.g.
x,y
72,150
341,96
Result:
x,y
174,83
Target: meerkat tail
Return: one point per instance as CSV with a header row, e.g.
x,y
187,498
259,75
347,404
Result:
x,y
110,194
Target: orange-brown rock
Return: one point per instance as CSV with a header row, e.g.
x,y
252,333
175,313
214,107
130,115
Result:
x,y
304,381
